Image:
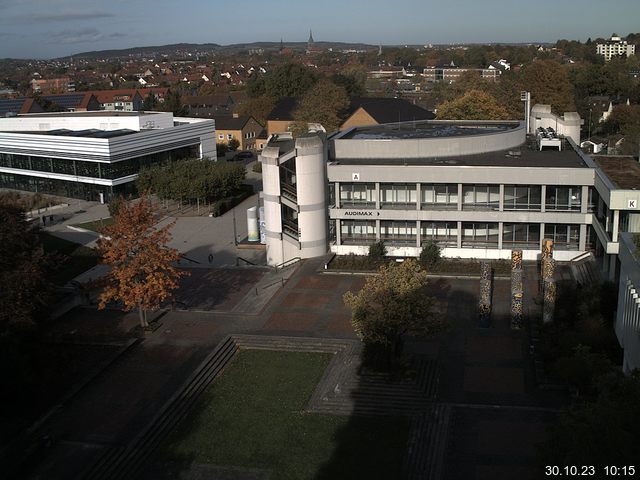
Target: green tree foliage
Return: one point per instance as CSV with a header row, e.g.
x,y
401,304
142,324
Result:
x,y
625,120
473,105
549,84
221,149
23,286
288,80
258,107
173,103
430,254
324,103
393,304
377,251
602,431
192,180
150,103
233,144
353,81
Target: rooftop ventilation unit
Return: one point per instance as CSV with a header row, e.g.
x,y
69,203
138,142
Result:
x,y
547,137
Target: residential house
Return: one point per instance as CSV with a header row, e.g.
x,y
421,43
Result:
x,y
52,85
126,100
245,129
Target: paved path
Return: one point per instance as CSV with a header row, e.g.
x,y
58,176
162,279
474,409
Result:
x,y
485,375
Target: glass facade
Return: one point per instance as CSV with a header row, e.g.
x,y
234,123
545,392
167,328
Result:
x,y
442,196
522,197
361,195
480,197
445,234
398,232
521,235
565,237
563,198
398,195
357,232
480,235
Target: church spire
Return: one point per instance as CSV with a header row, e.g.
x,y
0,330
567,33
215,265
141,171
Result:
x,y
310,42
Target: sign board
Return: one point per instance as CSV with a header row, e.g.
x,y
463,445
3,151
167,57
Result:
x,y
361,213
355,177
632,204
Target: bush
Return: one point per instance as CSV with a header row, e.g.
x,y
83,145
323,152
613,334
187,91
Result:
x,y
222,206
233,144
377,251
221,149
114,205
257,167
430,255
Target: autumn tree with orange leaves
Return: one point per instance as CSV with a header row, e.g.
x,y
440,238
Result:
x,y
142,274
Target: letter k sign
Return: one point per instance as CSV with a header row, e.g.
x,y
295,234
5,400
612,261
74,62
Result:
x,y
632,204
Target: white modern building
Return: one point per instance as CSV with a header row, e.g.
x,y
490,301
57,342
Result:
x,y
615,47
627,324
478,189
95,155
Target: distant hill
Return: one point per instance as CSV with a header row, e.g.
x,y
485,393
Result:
x,y
213,47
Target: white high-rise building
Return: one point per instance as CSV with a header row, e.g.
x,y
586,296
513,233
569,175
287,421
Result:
x,y
615,47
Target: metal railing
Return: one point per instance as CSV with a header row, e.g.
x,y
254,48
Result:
x,y
288,263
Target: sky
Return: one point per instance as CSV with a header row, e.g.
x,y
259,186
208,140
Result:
x,y
58,28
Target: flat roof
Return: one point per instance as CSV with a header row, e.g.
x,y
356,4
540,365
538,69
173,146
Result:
x,y
427,129
93,113
89,133
524,156
623,171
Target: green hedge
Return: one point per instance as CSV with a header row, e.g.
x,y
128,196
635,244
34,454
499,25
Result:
x,y
222,206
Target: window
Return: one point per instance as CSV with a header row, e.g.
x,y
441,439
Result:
x,y
521,235
221,137
563,198
480,235
445,234
443,196
522,197
565,237
397,232
480,197
357,195
400,195
357,232
229,136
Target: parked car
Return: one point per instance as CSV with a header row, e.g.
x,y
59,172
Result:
x,y
242,155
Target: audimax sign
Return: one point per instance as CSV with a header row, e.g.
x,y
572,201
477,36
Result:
x,y
360,213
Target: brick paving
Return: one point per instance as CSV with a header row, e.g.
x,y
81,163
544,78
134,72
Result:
x,y
480,367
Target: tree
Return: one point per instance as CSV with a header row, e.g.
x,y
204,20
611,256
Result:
x,y
150,102
602,431
173,103
258,107
549,84
393,304
473,105
352,81
323,103
234,144
23,286
142,275
288,80
377,251
430,254
221,149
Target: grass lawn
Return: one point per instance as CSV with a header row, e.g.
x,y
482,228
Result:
x,y
96,225
78,257
253,417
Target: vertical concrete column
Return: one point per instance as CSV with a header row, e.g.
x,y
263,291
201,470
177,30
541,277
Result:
x,y
377,194
500,227
582,242
616,224
501,204
418,196
378,230
338,232
311,159
584,199
459,199
418,236
541,237
336,192
543,196
272,207
459,245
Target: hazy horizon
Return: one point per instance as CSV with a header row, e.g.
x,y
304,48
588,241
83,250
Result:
x,y
59,28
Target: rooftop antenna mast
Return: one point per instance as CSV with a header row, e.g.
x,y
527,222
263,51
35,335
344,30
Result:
x,y
526,98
